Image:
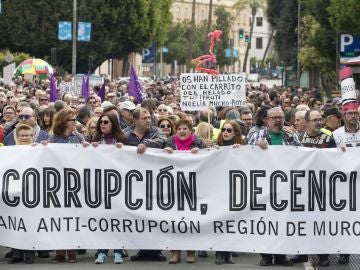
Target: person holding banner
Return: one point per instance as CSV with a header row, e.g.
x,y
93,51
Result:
x,y
23,136
143,134
349,134
230,135
108,131
274,134
183,140
64,131
314,137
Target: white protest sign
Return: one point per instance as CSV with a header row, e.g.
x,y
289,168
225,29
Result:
x,y
8,72
66,87
93,81
200,90
348,92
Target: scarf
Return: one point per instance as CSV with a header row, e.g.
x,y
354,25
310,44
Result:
x,y
184,145
108,139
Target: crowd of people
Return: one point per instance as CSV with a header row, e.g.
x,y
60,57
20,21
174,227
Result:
x,y
276,116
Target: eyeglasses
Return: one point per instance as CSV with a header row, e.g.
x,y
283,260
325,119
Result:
x,y
316,120
25,135
165,126
162,110
105,122
228,130
71,120
24,116
352,113
130,111
277,117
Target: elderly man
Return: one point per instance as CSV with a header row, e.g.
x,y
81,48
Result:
x,y
274,134
27,116
299,123
163,110
144,135
126,114
314,137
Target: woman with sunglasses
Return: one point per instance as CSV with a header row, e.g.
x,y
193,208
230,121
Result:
x,y
64,131
183,140
166,126
108,131
230,135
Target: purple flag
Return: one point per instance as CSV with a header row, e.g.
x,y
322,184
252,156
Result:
x,y
85,92
53,91
135,88
101,92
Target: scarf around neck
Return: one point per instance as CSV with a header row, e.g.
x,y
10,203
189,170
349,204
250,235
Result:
x,y
184,145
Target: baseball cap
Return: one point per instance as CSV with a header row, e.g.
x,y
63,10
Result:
x,y
336,101
127,105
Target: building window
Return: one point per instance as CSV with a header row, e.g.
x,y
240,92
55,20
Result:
x,y
259,21
259,43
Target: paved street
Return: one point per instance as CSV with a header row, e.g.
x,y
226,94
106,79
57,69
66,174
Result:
x,y
243,261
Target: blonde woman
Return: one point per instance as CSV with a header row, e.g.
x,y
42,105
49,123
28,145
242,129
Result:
x,y
205,132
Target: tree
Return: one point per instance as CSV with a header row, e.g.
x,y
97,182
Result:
x,y
344,16
191,37
119,27
282,16
253,5
222,23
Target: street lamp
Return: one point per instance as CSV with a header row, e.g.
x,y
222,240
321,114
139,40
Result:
x,y
298,46
73,70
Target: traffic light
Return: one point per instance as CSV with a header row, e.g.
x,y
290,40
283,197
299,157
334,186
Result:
x,y
282,65
241,33
247,38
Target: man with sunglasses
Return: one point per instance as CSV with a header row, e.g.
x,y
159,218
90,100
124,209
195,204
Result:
x,y
126,118
28,116
275,133
315,137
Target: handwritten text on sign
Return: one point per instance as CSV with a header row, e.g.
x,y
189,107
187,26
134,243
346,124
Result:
x,y
199,90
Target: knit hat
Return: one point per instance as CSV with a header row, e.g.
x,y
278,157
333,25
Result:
x,y
348,92
332,111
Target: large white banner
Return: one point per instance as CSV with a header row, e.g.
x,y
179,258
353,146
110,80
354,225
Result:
x,y
281,200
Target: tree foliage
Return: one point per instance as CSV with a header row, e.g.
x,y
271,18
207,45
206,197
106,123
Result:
x,y
282,15
119,27
222,23
344,16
